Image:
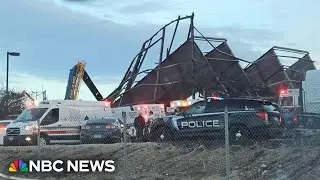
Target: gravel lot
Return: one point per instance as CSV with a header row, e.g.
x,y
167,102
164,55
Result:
x,y
298,159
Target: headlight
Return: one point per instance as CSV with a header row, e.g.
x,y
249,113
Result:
x,y
31,127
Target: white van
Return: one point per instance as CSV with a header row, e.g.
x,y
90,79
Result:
x,y
60,122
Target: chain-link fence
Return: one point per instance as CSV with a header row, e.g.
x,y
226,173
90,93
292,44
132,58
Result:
x,y
214,139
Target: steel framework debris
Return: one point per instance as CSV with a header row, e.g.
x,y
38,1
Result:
x,y
188,70
267,73
182,73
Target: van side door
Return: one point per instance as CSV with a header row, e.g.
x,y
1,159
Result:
x,y
51,125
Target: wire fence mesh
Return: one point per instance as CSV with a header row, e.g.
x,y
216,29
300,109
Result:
x,y
209,140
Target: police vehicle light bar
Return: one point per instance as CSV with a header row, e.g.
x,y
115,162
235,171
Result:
x,y
217,98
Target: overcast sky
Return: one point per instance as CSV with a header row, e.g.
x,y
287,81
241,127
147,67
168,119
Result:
x,y
52,35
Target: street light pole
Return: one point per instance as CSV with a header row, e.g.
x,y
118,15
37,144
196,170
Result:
x,y
7,81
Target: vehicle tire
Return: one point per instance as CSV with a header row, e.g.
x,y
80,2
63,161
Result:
x,y
238,134
44,141
162,134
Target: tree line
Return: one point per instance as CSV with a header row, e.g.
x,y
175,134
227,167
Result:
x,y
15,101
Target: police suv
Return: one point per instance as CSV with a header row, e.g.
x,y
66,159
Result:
x,y
247,119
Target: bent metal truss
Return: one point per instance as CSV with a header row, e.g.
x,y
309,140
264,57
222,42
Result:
x,y
187,70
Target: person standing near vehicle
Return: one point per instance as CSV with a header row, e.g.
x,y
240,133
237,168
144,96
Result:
x,y
148,123
139,124
151,117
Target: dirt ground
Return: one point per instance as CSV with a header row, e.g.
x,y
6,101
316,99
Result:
x,y
290,159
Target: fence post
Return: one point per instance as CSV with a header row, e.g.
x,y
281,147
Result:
x,y
38,138
226,125
124,116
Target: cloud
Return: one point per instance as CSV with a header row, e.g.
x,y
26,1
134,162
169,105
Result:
x,y
297,29
51,39
246,43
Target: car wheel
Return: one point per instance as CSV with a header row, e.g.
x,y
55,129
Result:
x,y
162,134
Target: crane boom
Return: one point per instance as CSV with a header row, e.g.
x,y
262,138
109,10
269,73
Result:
x,y
78,73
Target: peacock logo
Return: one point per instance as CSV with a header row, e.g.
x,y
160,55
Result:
x,y
18,166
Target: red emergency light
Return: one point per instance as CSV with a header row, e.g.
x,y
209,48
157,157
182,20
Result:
x,y
283,91
106,102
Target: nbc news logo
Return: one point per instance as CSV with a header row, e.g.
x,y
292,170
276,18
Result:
x,y
61,166
18,166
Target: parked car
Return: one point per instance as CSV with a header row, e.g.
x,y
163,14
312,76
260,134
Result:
x,y
247,119
3,128
104,130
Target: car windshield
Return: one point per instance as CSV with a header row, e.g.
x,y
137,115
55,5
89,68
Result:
x,y
31,114
184,110
195,108
181,109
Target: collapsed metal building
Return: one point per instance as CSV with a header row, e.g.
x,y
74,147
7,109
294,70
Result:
x,y
188,70
267,74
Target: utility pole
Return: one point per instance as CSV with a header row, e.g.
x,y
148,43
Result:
x,y
37,94
44,94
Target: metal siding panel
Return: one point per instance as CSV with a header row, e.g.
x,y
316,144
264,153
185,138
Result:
x,y
142,92
231,72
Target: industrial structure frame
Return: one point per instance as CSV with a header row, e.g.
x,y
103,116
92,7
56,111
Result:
x,y
267,81
126,85
187,70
